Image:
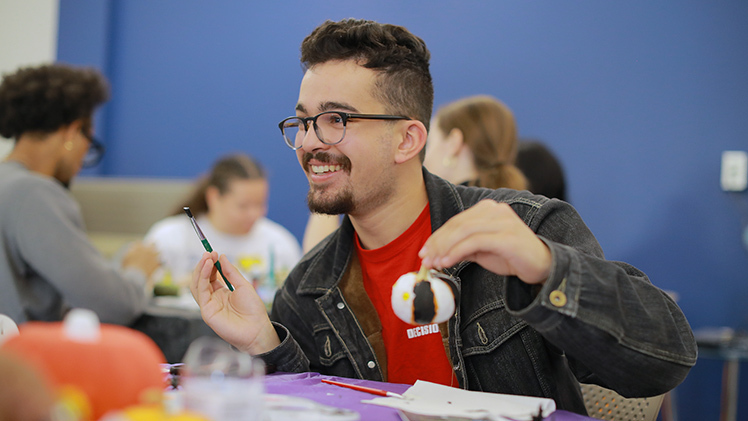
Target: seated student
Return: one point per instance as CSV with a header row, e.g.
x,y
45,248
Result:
x,y
542,169
47,264
540,308
473,141
229,205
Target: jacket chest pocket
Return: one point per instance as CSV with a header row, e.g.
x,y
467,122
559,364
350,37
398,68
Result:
x,y
328,347
488,329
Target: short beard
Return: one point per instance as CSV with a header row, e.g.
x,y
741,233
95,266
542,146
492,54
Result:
x,y
343,203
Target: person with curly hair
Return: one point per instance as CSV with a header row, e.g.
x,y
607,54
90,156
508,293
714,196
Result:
x,y
47,263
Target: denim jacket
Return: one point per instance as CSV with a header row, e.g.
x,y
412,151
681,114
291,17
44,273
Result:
x,y
593,321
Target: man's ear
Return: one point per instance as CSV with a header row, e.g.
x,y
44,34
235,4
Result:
x,y
413,140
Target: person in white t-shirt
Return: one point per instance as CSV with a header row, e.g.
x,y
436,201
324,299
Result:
x,y
230,206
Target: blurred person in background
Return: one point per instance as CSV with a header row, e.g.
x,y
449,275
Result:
x,y
318,226
543,170
47,263
230,206
473,141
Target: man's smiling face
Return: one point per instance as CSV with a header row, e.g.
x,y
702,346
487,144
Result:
x,y
353,176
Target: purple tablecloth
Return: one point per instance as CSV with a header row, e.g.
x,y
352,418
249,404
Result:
x,y
309,385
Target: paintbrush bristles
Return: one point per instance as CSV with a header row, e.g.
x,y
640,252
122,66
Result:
x,y
187,211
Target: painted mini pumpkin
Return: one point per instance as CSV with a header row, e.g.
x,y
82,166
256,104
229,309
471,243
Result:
x,y
98,367
432,299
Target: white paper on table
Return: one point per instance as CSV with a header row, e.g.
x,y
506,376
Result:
x,y
431,399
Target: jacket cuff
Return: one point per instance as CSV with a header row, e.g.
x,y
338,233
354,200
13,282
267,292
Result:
x,y
545,306
286,357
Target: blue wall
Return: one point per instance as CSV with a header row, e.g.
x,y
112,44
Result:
x,y
638,98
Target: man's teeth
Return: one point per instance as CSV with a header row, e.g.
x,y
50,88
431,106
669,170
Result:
x,y
321,169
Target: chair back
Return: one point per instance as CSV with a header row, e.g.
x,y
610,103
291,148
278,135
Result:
x,y
605,404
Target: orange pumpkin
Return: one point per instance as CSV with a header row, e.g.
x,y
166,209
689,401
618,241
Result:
x,y
113,370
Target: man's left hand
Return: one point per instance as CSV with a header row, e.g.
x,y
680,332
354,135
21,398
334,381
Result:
x,y
492,235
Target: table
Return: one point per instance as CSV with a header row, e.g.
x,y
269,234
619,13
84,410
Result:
x,y
309,385
732,348
174,327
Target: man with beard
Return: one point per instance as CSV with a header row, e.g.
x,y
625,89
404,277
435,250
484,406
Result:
x,y
540,308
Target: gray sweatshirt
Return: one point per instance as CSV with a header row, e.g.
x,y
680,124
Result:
x,y
47,263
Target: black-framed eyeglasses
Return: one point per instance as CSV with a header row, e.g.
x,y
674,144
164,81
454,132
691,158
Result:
x,y
329,126
95,151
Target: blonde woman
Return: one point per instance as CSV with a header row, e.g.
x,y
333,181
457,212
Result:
x,y
473,141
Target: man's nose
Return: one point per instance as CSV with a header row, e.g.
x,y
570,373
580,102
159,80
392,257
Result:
x,y
311,142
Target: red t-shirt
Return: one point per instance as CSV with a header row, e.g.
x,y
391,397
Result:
x,y
413,352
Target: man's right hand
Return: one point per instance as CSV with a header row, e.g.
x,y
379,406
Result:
x,y
239,317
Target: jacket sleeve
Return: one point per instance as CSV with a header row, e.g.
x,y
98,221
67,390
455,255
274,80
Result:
x,y
50,239
616,328
289,355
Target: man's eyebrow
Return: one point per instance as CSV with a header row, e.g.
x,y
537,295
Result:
x,y
332,105
328,106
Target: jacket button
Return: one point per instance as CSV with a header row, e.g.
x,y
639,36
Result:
x,y
457,367
558,298
341,306
371,364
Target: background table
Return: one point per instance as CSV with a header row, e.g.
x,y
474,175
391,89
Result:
x,y
731,348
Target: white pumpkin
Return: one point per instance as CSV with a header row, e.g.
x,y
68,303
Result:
x,y
424,301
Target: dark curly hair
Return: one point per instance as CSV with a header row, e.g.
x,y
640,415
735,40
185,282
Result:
x,y
404,84
45,98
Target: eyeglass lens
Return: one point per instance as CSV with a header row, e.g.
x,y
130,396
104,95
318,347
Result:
x,y
94,154
329,127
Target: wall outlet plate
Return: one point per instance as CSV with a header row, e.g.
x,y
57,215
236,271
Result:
x,y
734,176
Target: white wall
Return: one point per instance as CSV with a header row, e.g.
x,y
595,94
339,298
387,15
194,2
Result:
x,y
28,36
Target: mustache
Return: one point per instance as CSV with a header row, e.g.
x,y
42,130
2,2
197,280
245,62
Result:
x,y
326,158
